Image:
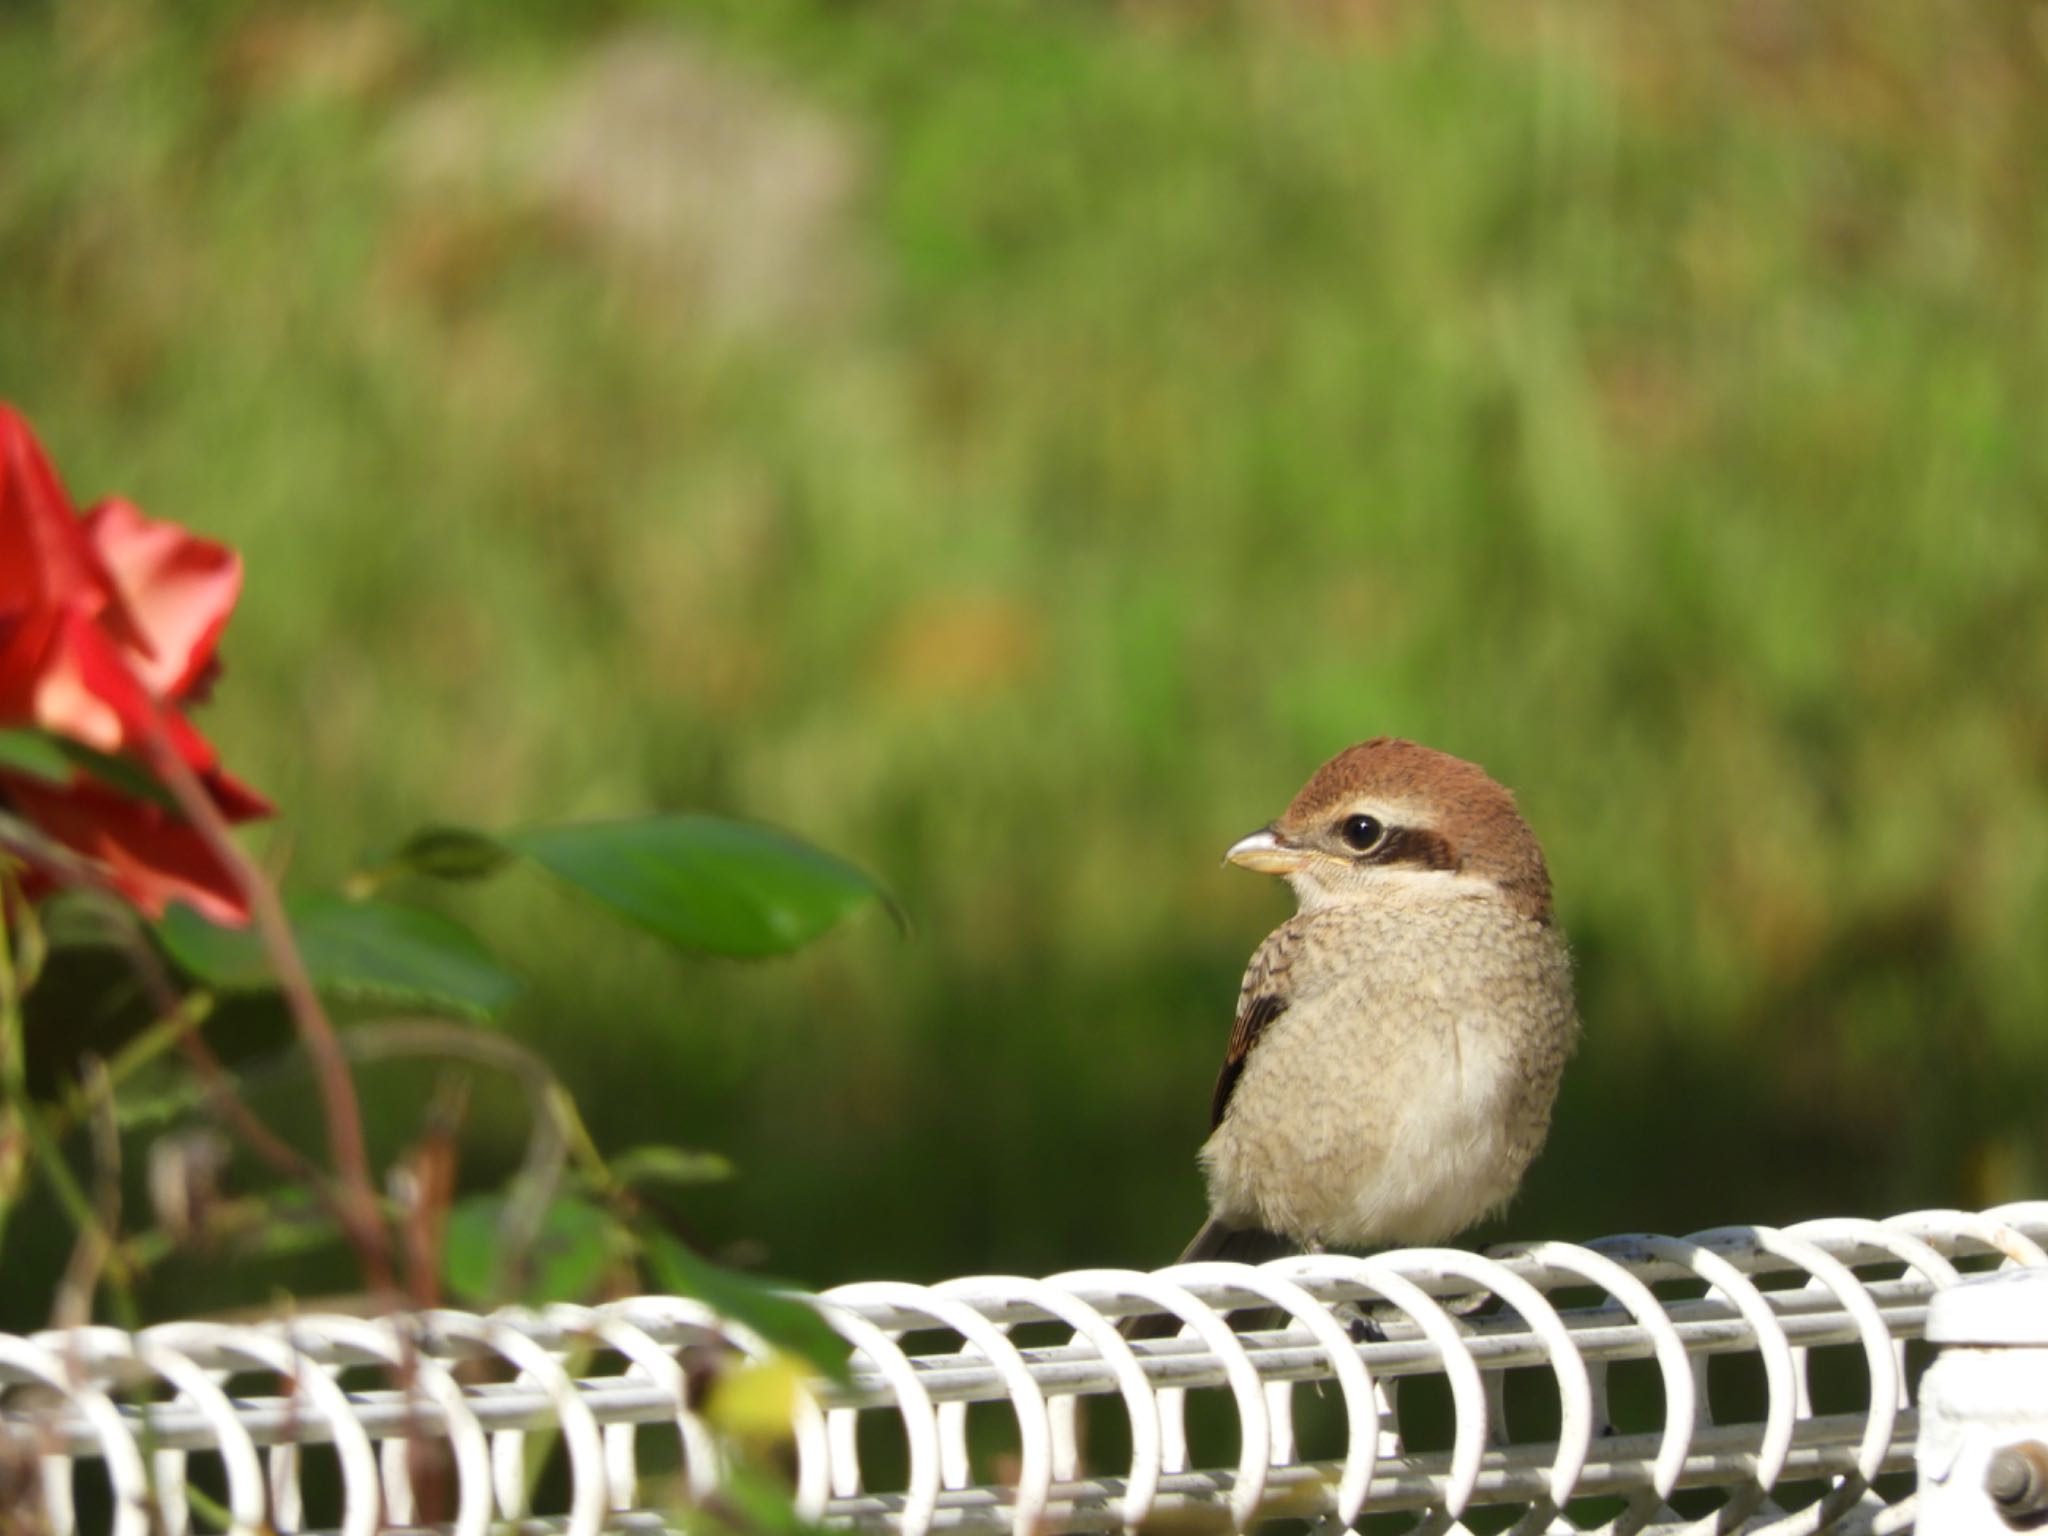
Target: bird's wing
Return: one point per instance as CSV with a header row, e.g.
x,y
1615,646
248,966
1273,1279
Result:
x,y
1261,1000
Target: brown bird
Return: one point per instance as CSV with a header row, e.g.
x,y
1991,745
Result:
x,y
1399,1039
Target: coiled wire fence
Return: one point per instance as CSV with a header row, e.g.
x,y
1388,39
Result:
x,y
1543,1387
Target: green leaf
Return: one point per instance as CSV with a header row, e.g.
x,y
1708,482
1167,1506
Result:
x,y
575,1246
52,759
751,1501
131,778
756,1403
670,1165
705,884
782,1320
77,917
34,755
369,950
452,853
279,1238
157,1097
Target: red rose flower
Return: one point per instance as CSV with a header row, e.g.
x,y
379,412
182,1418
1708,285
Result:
x,y
108,624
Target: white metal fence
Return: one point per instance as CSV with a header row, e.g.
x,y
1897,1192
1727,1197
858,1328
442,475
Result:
x,y
1322,1411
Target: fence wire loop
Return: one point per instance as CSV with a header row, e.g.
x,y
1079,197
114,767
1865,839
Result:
x,y
124,1433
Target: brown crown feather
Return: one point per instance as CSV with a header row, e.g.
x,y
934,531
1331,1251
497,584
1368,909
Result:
x,y
1474,815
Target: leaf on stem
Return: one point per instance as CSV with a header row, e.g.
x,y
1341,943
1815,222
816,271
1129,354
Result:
x,y
576,1246
704,883
34,755
782,1320
670,1165
374,951
451,853
53,759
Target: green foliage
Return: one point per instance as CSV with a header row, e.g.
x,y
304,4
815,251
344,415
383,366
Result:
x,y
702,883
36,755
705,884
579,1244
576,1245
451,853
790,1325
54,759
669,1166
361,950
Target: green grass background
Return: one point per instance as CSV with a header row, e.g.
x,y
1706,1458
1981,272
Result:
x,y
1042,434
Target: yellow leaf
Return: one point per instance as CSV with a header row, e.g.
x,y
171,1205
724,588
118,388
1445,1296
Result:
x,y
758,1400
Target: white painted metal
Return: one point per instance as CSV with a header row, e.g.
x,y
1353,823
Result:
x,y
248,1411
1983,1446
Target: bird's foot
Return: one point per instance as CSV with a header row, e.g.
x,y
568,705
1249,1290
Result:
x,y
1359,1322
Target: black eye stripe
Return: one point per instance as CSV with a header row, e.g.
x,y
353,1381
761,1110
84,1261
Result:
x,y
1415,848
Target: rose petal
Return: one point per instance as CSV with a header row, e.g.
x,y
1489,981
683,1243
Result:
x,y
237,801
50,561
106,621
86,691
178,590
25,642
64,676
147,856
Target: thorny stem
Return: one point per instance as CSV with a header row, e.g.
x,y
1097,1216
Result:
x,y
423,1186
557,1136
359,1211
221,1097
243,1121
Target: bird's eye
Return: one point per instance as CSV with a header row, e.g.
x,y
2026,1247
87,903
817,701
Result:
x,y
1360,832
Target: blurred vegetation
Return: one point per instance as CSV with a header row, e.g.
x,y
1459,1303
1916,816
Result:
x,y
1013,444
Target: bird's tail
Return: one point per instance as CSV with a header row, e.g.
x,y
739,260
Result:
x,y
1218,1239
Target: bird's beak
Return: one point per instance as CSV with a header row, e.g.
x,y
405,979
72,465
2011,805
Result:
x,y
1267,852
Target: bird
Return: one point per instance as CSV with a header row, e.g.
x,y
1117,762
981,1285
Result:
x,y
1399,1041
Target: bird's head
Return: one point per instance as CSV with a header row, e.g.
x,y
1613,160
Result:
x,y
1388,820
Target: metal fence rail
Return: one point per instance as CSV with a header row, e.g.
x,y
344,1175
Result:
x,y
318,1422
